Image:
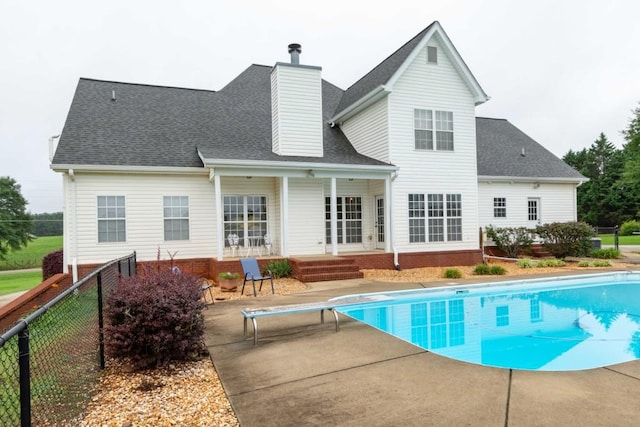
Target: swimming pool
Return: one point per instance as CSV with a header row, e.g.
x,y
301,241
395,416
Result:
x,y
553,324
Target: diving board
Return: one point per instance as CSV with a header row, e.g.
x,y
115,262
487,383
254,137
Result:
x,y
255,313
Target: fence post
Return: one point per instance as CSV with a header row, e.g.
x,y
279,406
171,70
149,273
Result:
x,y
615,237
100,321
25,380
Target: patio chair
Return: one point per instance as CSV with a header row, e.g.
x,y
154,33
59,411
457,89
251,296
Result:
x,y
204,287
268,245
252,273
234,243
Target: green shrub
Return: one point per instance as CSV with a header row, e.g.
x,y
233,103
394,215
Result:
x,y
482,270
609,253
584,264
550,262
601,263
154,318
525,263
497,270
565,239
280,268
452,273
510,240
628,228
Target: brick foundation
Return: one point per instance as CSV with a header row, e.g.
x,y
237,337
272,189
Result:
x,y
210,267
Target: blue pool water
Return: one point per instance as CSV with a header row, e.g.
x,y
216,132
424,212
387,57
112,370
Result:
x,y
558,324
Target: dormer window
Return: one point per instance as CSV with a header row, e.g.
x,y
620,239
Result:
x,y
432,55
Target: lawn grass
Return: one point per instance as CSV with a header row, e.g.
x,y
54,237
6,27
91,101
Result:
x,y
31,255
16,282
607,239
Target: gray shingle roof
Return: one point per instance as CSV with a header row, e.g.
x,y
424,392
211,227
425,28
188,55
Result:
x,y
500,146
164,126
381,73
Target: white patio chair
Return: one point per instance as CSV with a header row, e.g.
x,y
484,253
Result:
x,y
234,243
268,245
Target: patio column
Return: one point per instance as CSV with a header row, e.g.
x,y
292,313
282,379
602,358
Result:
x,y
334,218
219,217
284,219
388,202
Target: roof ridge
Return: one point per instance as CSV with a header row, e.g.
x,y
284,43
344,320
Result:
x,y
491,118
393,53
145,84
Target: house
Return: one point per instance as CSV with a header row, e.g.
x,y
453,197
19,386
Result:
x,y
395,170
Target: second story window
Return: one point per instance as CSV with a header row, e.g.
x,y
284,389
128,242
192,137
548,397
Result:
x,y
433,125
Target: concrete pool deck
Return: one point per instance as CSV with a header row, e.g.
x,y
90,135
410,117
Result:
x,y
304,373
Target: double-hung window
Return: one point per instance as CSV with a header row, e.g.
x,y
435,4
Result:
x,y
435,213
176,217
499,207
435,217
454,217
416,218
112,222
433,125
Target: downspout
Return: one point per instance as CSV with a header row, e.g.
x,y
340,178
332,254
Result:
x,y
217,188
74,258
389,196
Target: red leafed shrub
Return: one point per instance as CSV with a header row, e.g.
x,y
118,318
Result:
x,y
154,318
52,264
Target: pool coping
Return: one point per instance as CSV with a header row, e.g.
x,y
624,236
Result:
x,y
302,372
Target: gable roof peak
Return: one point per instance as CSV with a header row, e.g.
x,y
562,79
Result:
x,y
383,76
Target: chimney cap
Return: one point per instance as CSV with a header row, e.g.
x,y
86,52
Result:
x,y
295,47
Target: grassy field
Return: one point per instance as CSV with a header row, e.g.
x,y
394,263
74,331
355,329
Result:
x,y
607,239
16,282
31,255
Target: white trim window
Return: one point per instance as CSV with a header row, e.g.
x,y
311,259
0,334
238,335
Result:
x,y
454,217
112,220
245,216
416,218
433,125
442,215
176,217
499,207
349,220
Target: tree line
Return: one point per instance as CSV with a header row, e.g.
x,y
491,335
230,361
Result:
x,y
612,194
47,224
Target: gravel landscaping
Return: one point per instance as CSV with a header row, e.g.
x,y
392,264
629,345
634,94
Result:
x,y
190,393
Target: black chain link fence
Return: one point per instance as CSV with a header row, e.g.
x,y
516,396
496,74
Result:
x,y
50,361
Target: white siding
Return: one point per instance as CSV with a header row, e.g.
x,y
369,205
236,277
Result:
x,y
433,87
144,216
368,131
557,203
306,216
296,93
275,116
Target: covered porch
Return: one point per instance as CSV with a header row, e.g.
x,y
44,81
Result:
x,y
285,210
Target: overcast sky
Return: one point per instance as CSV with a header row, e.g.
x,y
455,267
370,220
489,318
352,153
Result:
x,y
561,71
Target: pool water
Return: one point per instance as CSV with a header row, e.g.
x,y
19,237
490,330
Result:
x,y
558,324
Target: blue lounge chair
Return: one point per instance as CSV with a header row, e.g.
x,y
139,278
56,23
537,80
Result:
x,y
252,272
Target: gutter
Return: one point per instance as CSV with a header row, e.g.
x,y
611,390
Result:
x,y
370,98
